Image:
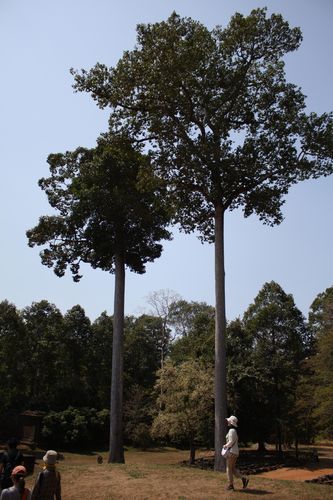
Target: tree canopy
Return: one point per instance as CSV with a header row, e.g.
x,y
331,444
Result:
x,y
226,127
102,210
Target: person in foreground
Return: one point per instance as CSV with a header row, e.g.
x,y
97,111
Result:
x,y
48,481
18,491
232,454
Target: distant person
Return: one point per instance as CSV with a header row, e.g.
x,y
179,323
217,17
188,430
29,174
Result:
x,y
48,481
18,491
10,459
231,458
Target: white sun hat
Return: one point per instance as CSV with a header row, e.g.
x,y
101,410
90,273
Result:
x,y
232,420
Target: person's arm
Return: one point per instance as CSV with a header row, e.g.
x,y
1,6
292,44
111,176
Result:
x,y
231,438
58,490
36,488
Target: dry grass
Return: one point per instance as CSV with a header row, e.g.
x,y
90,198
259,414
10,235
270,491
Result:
x,y
157,475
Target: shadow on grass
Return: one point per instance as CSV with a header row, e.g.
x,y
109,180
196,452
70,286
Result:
x,y
153,450
253,491
39,454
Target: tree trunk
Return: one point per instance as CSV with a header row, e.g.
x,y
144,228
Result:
x,y
278,416
192,451
296,445
116,453
261,445
220,342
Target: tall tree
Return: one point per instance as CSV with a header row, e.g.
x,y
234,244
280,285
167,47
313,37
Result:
x,y
242,378
277,328
77,338
142,357
321,313
107,221
318,384
45,356
224,126
100,353
13,337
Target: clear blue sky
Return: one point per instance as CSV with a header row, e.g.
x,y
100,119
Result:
x,y
40,114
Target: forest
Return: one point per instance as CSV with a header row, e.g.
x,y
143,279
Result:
x,y
279,370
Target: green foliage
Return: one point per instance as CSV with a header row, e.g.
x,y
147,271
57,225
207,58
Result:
x,y
45,355
194,324
224,125
141,350
79,427
13,356
49,360
102,212
277,329
320,365
138,416
185,401
242,376
321,313
184,315
77,339
141,362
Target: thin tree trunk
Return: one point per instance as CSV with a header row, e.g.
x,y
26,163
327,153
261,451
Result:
x,y
192,451
116,453
261,445
220,342
296,445
278,415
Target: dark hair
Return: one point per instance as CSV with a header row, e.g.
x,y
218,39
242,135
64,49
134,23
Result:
x,y
12,442
233,427
19,479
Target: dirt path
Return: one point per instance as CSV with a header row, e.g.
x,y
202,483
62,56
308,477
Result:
x,y
323,467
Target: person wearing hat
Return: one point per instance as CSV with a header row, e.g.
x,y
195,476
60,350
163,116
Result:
x,y
233,452
18,491
48,482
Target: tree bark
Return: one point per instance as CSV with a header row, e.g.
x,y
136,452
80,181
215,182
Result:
x,y
220,342
116,453
261,445
192,451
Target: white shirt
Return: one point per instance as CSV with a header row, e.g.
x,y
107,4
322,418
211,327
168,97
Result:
x,y
232,441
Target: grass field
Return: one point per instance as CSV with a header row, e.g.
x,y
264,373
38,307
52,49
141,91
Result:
x,y
157,475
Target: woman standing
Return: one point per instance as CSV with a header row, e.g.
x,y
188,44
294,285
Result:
x,y
18,491
232,446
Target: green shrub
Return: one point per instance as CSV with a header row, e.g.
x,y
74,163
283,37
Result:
x,y
76,427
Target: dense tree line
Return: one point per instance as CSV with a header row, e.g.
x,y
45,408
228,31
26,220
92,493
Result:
x,y
280,371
